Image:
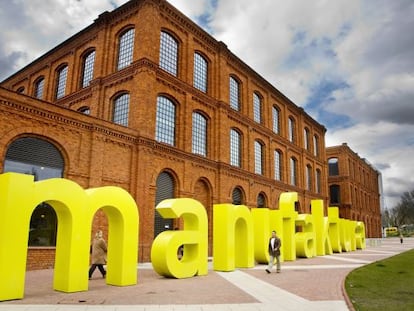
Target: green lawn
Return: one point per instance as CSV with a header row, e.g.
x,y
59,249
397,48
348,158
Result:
x,y
384,285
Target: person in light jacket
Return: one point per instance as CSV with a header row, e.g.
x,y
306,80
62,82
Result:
x,y
274,252
98,251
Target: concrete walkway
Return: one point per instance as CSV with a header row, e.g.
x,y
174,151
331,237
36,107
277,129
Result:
x,y
304,284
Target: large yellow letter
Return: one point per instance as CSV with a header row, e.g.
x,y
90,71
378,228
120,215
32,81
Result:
x,y
74,210
344,233
287,207
261,221
16,196
334,231
305,240
123,219
232,237
194,238
323,243
360,235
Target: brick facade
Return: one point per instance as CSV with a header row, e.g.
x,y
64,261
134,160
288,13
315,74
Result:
x,y
358,185
98,152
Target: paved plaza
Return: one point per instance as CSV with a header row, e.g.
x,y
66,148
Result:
x,y
305,284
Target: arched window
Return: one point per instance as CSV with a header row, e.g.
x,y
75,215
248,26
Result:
x,y
261,200
84,110
121,109
88,62
199,134
234,94
318,181
333,167
126,48
235,148
165,121
168,53
37,157
257,108
20,90
276,120
200,72
315,145
165,190
38,88
308,177
334,194
278,165
293,171
237,196
62,75
306,138
292,126
258,158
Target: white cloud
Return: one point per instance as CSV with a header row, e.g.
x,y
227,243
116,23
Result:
x,y
347,57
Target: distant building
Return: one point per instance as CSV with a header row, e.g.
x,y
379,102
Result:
x,y
355,186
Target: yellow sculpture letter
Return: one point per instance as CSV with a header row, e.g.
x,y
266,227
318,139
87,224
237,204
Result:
x,y
323,243
74,209
232,237
287,207
193,237
305,240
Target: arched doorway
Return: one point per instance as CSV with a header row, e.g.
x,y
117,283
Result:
x,y
40,158
165,190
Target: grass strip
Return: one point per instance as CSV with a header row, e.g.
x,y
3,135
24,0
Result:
x,y
383,285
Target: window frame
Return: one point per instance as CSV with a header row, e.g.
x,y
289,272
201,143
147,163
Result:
x,y
88,66
61,80
199,139
169,55
125,51
165,125
200,72
120,108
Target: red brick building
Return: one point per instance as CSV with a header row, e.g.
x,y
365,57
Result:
x,y
354,186
146,100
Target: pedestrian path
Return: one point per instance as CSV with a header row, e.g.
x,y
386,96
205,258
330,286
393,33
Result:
x,y
305,284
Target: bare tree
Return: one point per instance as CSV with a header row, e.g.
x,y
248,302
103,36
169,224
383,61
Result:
x,y
403,213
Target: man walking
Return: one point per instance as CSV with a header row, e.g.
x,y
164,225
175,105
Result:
x,y
274,252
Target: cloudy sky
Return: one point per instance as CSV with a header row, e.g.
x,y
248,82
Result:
x,y
349,63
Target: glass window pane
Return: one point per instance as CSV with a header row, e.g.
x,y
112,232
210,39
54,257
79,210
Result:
x,y
333,167
121,110
308,178
88,63
293,171
39,86
306,138
126,48
315,146
168,53
235,147
165,121
278,167
275,113
318,181
234,94
258,158
199,134
61,82
257,108
200,73
291,130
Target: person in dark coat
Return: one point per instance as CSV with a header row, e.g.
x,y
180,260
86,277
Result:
x,y
274,252
98,258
